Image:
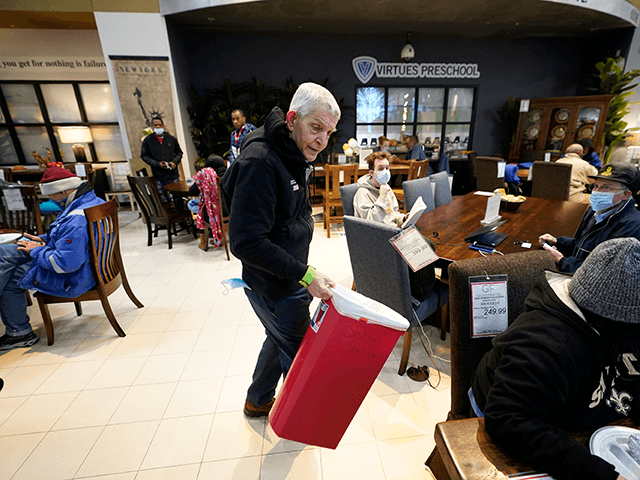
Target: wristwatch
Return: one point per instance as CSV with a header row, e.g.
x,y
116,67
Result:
x,y
308,277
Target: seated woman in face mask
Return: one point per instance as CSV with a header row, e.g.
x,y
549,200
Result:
x,y
375,201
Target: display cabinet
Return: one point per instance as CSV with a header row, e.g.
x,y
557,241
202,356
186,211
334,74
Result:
x,y
552,124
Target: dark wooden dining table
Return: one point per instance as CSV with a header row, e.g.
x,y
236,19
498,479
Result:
x,y
179,188
468,452
460,217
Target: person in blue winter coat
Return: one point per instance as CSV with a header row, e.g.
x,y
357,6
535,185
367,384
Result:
x,y
56,263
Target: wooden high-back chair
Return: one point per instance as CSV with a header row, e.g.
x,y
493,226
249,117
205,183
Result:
x,y
487,173
28,220
551,180
106,264
155,210
334,175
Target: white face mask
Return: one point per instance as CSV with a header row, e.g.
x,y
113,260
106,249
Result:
x,y
383,177
158,131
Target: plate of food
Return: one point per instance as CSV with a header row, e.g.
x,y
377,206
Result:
x,y
559,132
620,446
562,116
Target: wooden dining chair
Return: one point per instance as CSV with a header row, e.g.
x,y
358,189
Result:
x,y
224,222
334,175
551,180
417,169
487,173
106,264
155,211
28,220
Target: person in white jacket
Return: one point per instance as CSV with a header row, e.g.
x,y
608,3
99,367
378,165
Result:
x,y
374,199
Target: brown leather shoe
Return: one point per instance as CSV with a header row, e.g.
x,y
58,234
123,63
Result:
x,y
254,411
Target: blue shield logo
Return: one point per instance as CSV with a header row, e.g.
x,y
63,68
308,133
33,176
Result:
x,y
364,67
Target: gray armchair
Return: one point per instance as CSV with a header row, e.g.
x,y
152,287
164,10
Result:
x,y
418,188
347,192
387,280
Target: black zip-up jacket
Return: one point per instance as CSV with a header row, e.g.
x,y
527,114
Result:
x,y
550,371
623,223
153,152
270,224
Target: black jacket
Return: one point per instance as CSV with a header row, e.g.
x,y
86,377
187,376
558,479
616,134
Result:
x,y
624,223
552,371
270,224
153,152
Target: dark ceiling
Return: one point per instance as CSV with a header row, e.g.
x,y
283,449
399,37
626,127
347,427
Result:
x,y
424,18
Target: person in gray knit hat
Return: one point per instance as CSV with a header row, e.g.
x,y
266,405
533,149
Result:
x,y
570,362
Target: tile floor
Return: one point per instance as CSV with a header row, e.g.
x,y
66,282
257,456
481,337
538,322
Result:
x,y
165,402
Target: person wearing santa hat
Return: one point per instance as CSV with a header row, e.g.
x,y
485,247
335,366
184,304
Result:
x,y
56,263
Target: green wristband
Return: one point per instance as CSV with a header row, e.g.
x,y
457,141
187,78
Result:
x,y
309,275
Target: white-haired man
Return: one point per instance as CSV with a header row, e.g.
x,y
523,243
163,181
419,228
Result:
x,y
270,230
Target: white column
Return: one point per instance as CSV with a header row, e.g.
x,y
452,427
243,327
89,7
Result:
x,y
144,35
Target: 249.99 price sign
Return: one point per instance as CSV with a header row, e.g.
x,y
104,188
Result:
x,y
489,308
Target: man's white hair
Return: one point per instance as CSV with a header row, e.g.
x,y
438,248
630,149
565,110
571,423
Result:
x,y
310,97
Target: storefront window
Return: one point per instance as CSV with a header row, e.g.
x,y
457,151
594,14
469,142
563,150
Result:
x,y
8,154
441,117
27,129
23,103
61,103
98,102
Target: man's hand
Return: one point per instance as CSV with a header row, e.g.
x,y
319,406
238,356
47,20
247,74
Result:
x,y
172,165
164,165
386,192
28,245
33,237
553,251
319,288
550,239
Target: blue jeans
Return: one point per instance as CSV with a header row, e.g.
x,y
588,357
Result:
x,y
285,320
14,264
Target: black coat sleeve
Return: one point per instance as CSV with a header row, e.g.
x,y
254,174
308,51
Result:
x,y
145,154
530,380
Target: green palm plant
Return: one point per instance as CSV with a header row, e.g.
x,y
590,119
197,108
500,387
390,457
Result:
x,y
611,79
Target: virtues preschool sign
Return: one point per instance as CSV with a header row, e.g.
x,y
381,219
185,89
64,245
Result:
x,y
366,67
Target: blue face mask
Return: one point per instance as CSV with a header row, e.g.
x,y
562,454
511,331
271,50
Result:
x,y
383,177
601,200
158,131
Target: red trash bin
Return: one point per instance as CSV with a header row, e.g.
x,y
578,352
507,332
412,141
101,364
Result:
x,y
342,353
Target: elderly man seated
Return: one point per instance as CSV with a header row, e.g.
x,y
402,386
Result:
x,y
375,201
613,214
580,172
56,263
570,362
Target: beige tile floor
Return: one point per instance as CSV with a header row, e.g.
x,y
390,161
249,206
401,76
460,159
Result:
x,y
165,402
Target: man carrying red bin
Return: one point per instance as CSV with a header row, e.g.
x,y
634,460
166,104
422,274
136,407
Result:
x,y
271,227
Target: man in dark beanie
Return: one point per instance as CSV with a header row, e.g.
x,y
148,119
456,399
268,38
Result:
x,y
613,214
570,362
56,263
589,154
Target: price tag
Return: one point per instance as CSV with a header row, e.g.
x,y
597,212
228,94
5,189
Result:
x,y
489,309
414,248
524,105
547,156
81,171
13,199
501,168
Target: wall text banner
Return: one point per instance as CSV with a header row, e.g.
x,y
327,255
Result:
x,y
366,67
144,91
618,8
52,68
